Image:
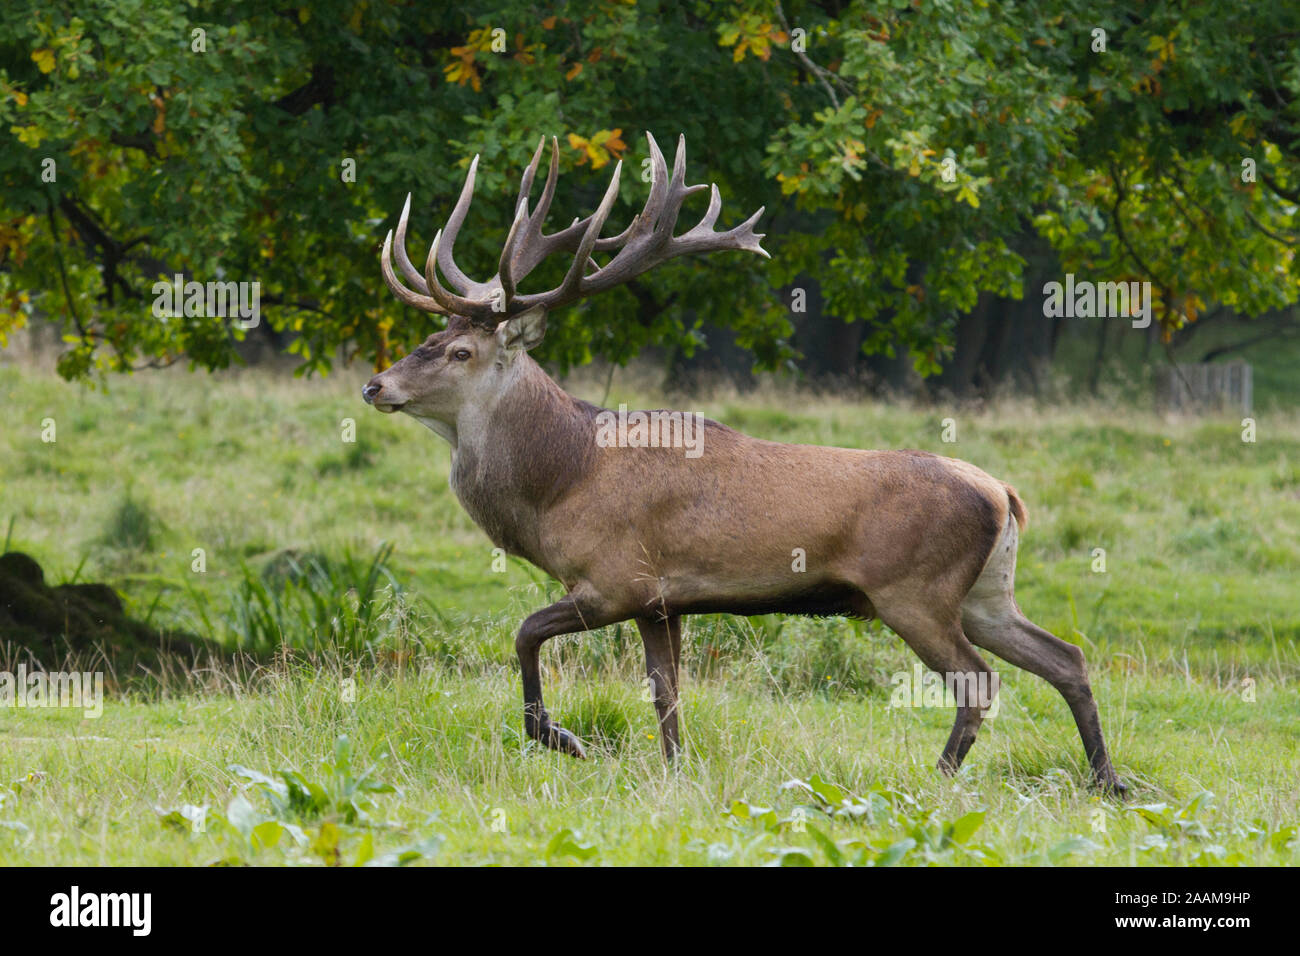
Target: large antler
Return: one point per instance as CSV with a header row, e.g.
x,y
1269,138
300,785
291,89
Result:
x,y
648,241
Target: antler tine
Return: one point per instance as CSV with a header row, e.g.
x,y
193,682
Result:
x,y
411,273
548,191
573,280
526,184
450,302
504,267
532,246
702,237
711,214
422,302
462,282
678,190
647,219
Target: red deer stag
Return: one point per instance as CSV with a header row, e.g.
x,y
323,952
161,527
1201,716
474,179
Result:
x,y
925,543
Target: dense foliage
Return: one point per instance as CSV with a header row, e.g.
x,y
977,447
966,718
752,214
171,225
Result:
x,y
904,152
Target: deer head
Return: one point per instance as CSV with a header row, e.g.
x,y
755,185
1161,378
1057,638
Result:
x,y
491,324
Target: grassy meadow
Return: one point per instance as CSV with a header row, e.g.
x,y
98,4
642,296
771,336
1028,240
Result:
x,y
378,718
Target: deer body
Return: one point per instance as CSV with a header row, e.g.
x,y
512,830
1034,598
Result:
x,y
524,472
925,543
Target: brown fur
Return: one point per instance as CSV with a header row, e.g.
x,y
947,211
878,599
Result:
x,y
923,542
1017,507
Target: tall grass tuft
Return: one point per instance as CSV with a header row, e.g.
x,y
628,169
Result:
x,y
352,605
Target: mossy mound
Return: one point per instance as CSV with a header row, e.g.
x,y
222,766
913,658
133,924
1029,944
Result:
x,y
75,620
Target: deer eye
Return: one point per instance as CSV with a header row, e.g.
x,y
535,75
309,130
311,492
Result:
x,y
461,355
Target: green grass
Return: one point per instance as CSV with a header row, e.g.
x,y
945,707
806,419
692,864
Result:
x,y
408,655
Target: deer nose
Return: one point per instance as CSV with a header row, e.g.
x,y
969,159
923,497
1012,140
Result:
x,y
370,391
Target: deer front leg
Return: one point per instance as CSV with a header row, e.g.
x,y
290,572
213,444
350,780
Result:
x,y
562,617
663,644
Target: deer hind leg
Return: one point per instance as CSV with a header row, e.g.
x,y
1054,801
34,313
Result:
x,y
662,638
938,640
563,617
994,622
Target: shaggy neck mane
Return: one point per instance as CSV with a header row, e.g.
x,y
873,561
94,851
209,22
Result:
x,y
518,458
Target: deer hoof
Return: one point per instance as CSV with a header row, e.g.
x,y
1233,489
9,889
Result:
x,y
1113,786
562,740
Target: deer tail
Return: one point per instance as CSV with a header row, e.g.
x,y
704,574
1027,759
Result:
x,y
1017,507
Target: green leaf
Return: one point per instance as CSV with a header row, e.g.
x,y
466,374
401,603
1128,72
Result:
x,y
241,815
964,827
568,843
794,856
828,792
895,853
828,846
1072,845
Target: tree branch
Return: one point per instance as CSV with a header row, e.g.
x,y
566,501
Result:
x,y
319,90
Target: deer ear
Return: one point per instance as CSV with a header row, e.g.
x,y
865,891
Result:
x,y
523,331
